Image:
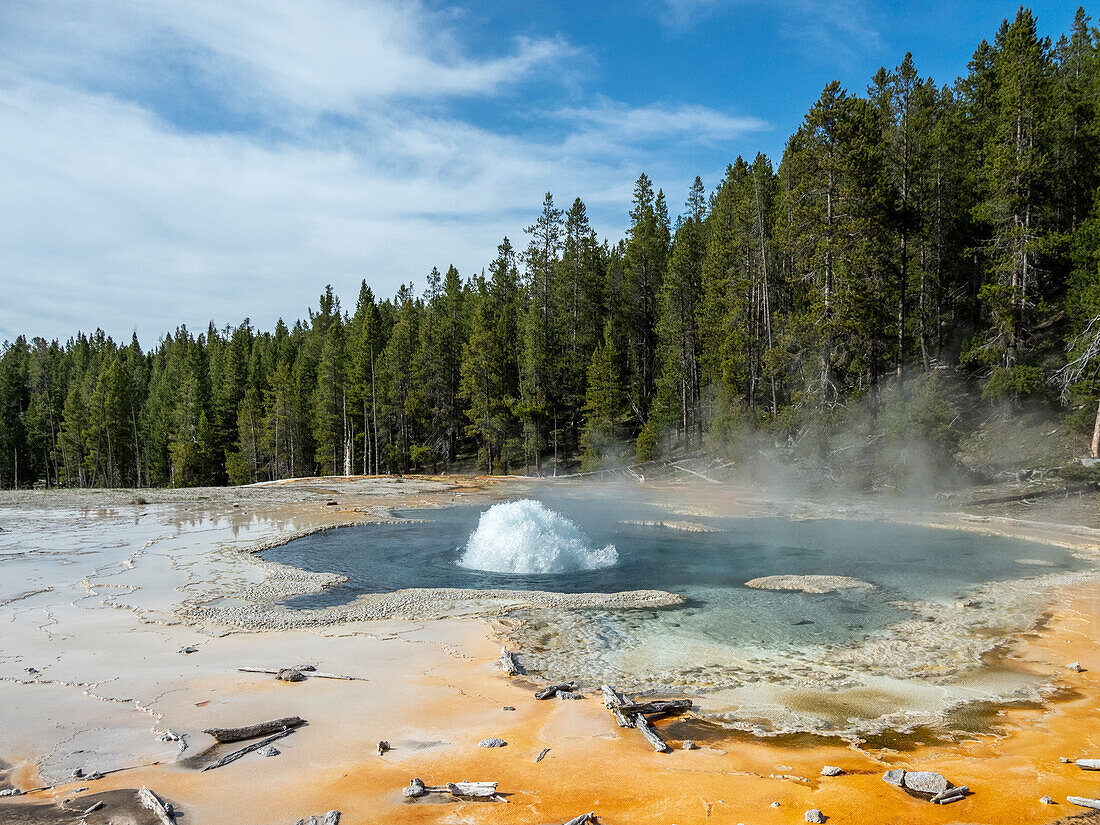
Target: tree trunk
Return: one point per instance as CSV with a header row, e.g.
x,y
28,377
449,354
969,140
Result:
x,y
1096,434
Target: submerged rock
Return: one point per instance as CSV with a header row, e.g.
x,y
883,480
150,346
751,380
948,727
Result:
x,y
809,584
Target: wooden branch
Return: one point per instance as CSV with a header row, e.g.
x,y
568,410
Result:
x,y
252,731
943,797
153,802
478,790
583,819
552,690
1084,802
233,757
613,700
663,706
642,724
309,674
508,662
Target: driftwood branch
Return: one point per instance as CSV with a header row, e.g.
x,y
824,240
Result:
x,y
252,731
477,790
309,674
237,754
583,819
613,700
508,662
551,691
154,803
642,724
663,706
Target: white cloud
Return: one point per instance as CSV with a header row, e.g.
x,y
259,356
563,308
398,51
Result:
x,y
118,218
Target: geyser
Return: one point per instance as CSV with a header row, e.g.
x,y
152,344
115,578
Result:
x,y
526,537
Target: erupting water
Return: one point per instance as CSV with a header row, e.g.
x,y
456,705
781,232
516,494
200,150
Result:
x,y
525,537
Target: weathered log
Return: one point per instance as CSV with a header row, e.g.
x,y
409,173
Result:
x,y
1088,764
472,789
663,706
642,724
311,674
237,754
94,808
508,662
154,803
542,754
613,700
943,797
224,735
583,819
552,690
1084,802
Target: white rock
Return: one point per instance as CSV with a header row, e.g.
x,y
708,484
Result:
x,y
1075,667
1046,800
925,781
831,770
814,815
894,777
1089,764
492,742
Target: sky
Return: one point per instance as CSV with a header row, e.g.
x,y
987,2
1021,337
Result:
x,y
169,162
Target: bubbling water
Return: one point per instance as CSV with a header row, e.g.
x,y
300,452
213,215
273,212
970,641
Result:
x,y
525,537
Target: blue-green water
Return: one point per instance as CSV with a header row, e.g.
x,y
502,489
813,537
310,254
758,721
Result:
x,y
905,563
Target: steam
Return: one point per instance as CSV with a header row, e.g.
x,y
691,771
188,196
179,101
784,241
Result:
x,y
525,537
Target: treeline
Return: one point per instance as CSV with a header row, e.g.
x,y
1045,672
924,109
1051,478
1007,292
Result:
x,y
908,230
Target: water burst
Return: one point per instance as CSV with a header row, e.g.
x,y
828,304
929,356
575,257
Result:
x,y
525,537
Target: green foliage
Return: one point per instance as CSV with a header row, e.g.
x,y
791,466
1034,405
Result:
x,y
914,243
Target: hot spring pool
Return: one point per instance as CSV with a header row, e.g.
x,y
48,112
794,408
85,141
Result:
x,y
750,644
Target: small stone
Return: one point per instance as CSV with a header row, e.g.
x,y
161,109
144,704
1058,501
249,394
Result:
x,y
1075,667
289,674
568,694
1065,760
507,707
78,772
383,746
94,775
688,745
894,777
189,649
814,815
775,804
925,782
831,770
1046,800
492,742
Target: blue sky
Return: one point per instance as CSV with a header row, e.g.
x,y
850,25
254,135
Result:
x,y
181,161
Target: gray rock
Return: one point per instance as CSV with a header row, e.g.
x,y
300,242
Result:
x,y
894,777
332,818
1075,667
925,781
831,770
270,750
507,707
1046,800
688,745
289,674
492,742
78,772
1065,760
775,804
189,649
814,815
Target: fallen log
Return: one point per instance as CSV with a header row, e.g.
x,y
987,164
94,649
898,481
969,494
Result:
x,y
479,790
950,795
642,724
1084,802
309,674
648,708
237,754
224,735
583,819
542,754
613,700
1088,764
472,789
551,691
154,803
508,662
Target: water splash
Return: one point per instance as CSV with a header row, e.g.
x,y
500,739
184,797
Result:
x,y
525,537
